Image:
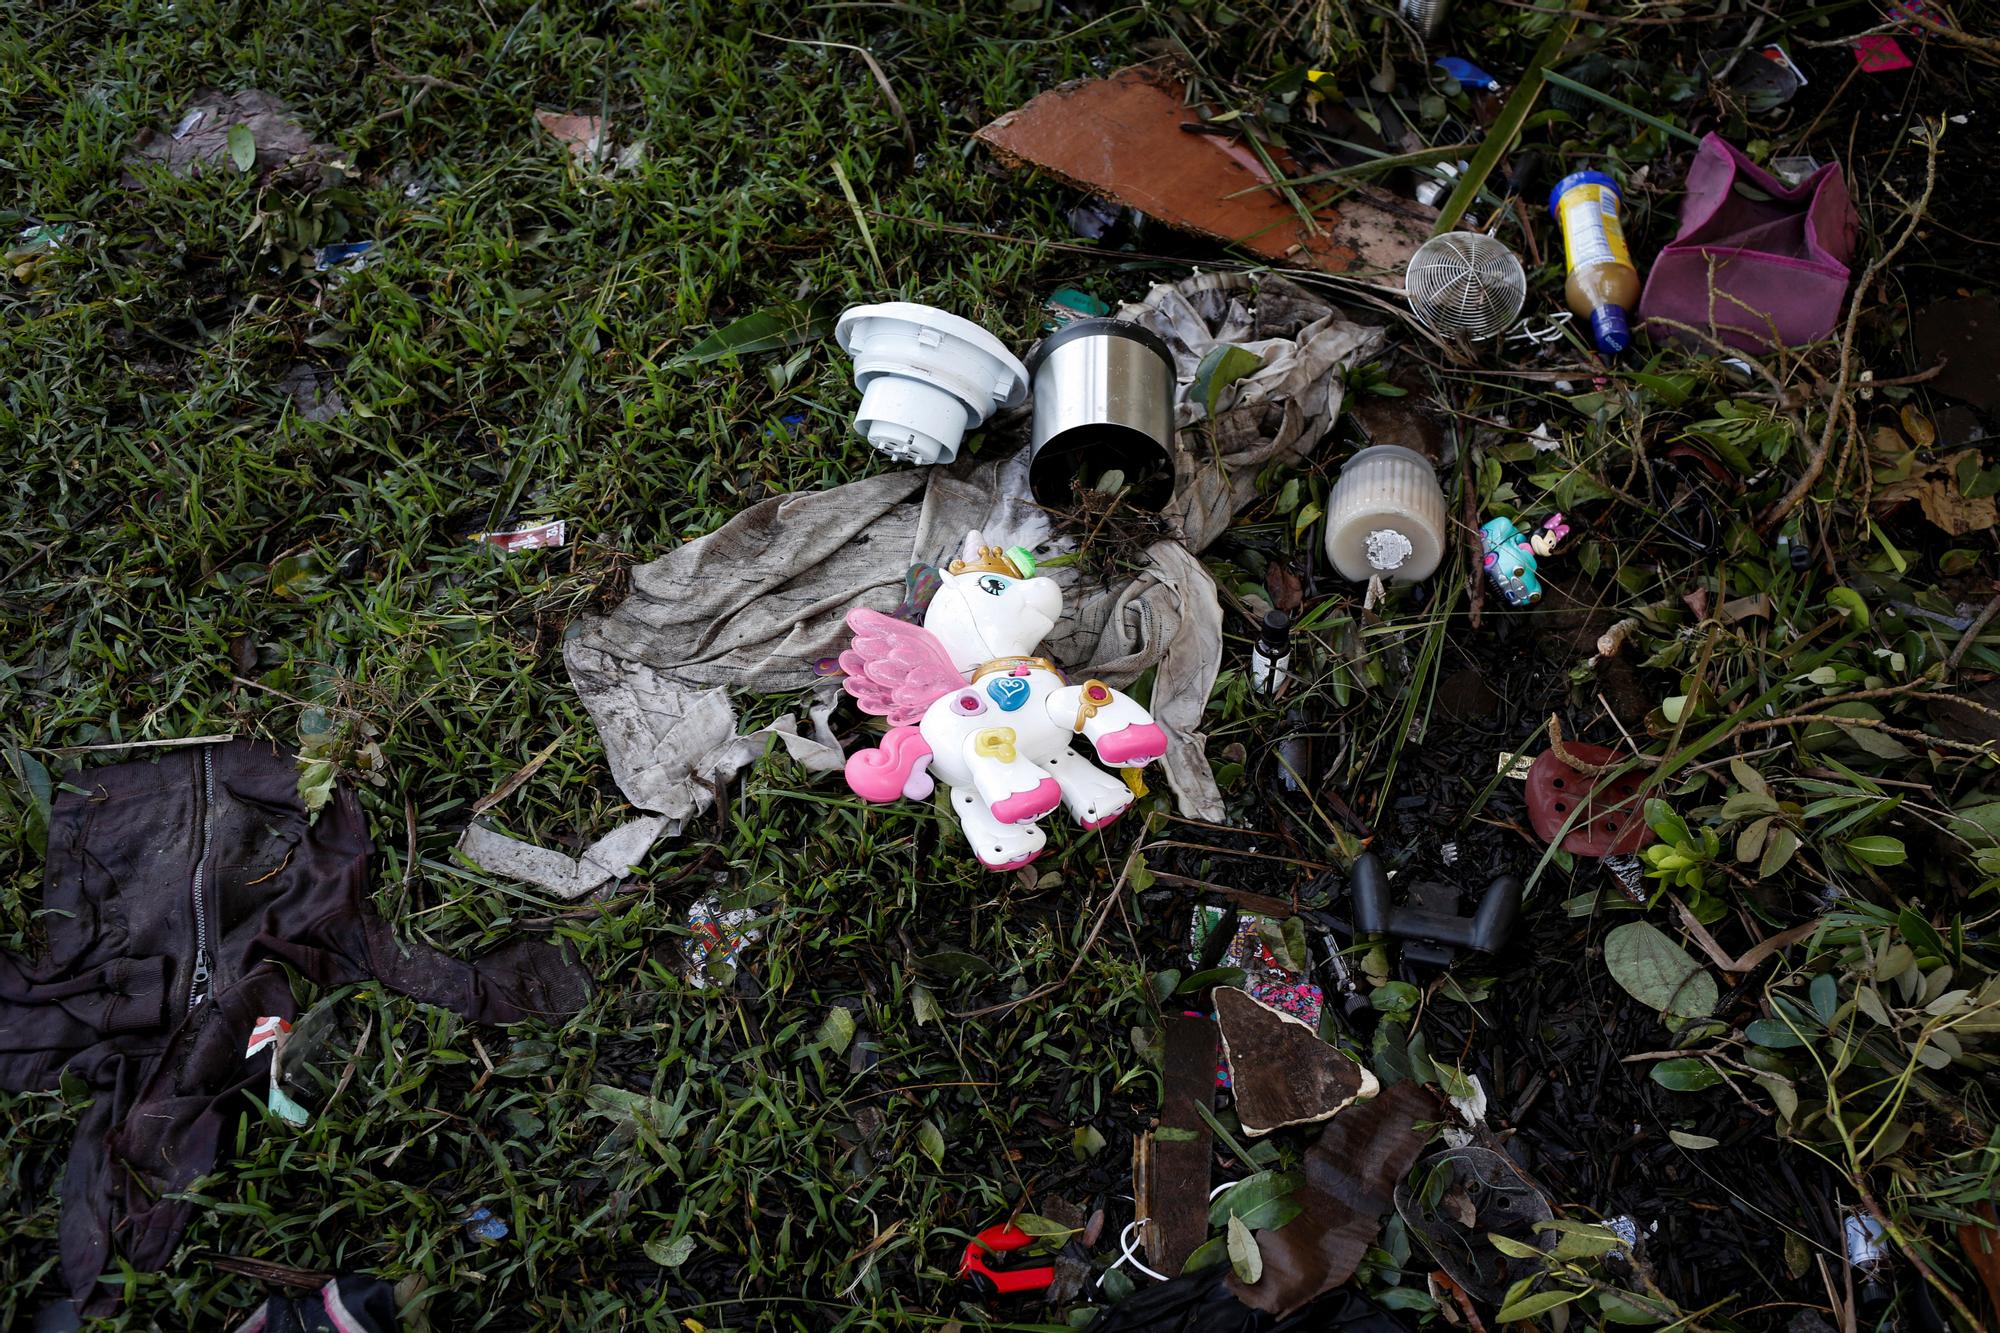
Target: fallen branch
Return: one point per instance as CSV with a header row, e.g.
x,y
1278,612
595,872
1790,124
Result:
x,y
1817,463
1984,749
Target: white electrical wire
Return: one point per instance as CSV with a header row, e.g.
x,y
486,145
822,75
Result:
x,y
1128,1251
1526,331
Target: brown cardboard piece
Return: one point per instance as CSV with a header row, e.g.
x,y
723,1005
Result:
x,y
1121,137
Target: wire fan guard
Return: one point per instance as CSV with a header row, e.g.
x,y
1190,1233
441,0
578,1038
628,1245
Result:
x,y
1465,284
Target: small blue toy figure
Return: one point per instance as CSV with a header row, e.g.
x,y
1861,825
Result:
x,y
1511,555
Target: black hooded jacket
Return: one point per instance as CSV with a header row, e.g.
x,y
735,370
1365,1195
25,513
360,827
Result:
x,y
177,893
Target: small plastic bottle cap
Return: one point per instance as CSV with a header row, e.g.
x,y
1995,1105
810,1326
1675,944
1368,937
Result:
x,y
1612,328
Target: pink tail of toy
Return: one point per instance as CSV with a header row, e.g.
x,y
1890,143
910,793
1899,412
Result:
x,y
897,768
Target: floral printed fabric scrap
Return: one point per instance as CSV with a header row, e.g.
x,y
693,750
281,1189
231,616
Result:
x,y
1264,976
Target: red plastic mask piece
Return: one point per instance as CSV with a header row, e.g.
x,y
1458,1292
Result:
x,y
1609,824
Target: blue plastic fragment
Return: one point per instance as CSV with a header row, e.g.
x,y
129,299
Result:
x,y
331,256
481,1224
1468,74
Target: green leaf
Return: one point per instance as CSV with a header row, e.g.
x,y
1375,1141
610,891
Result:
x,y
1043,1228
1579,1240
1454,1081
1672,829
1773,1035
1085,1143
1623,1308
1222,367
1825,995
1262,1200
1878,743
925,1006
1309,514
1394,998
35,776
316,784
1673,390
669,1253
1847,602
1750,842
1244,1256
1876,850
1658,972
930,1141
1778,850
772,329
1540,1303
1978,824
1685,1074
1513,1249
837,1029
1692,1141
1783,1095
1746,803
242,147
1208,1254
1919,934
954,963
1214,976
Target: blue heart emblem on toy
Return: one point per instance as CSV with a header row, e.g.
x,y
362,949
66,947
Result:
x,y
1010,692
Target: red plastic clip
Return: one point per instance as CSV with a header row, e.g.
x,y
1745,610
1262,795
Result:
x,y
996,1242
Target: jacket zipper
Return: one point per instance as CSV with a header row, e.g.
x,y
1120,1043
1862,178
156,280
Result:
x,y
198,988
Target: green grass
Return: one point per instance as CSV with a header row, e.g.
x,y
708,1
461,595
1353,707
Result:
x,y
509,359
182,553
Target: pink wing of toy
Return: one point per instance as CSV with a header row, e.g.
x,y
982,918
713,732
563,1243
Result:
x,y
896,669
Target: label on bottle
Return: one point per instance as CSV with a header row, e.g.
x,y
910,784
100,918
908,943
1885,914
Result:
x,y
1592,232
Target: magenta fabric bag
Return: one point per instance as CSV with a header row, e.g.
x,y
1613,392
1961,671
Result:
x,y
1743,263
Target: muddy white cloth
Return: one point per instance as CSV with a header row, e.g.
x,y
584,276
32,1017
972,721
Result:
x,y
753,606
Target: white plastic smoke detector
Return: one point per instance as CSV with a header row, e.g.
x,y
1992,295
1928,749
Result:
x,y
926,377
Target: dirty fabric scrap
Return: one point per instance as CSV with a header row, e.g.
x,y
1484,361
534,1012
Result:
x,y
150,990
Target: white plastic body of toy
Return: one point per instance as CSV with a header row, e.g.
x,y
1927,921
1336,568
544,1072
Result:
x,y
969,707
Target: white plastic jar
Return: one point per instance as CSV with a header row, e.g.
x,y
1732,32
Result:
x,y
1386,516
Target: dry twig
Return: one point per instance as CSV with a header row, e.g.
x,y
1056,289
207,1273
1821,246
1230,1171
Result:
x,y
1816,464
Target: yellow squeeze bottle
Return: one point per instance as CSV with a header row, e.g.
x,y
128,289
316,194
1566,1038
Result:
x,y
1603,286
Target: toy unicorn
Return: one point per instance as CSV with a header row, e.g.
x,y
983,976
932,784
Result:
x,y
968,706
1512,555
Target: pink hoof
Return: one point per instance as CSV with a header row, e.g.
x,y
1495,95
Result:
x,y
1111,818
1028,806
1007,865
1129,747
